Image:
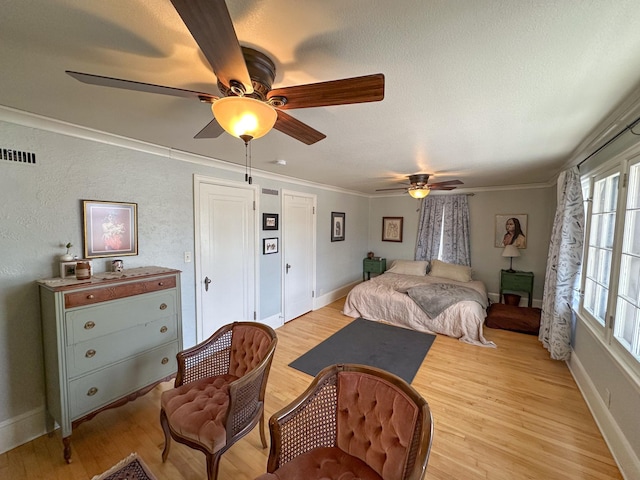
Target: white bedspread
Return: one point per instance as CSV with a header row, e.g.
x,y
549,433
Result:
x,y
384,299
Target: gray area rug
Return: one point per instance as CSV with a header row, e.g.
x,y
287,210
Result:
x,y
394,349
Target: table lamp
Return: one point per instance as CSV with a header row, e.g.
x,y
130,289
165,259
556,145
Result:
x,y
511,251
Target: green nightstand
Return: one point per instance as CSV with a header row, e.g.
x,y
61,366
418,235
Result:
x,y
373,265
516,282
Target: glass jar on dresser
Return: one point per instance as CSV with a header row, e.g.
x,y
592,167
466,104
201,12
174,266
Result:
x,y
107,340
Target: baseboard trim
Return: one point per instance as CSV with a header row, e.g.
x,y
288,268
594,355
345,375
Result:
x,y
274,321
332,296
22,429
619,446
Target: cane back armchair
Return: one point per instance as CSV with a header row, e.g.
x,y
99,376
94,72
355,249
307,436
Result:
x,y
353,421
218,396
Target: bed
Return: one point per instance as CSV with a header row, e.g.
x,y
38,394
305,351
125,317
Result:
x,y
388,298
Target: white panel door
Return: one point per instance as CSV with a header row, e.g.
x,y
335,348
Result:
x,y
226,259
298,254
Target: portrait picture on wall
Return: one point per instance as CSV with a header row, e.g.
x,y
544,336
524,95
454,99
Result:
x,y
110,229
337,226
511,229
392,229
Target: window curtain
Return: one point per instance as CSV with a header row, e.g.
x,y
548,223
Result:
x,y
444,218
564,264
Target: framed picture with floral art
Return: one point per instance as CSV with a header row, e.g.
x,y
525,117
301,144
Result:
x,y
110,228
392,229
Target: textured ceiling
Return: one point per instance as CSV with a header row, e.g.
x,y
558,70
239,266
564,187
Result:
x,y
491,92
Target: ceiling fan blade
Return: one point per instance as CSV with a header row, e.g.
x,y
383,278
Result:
x,y
369,88
437,187
210,25
389,189
140,87
212,130
448,182
296,129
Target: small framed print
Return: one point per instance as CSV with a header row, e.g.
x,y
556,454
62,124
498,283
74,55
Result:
x,y
337,226
392,229
269,221
110,229
269,246
68,269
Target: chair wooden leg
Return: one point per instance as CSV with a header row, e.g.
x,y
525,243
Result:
x,y
263,438
167,435
213,462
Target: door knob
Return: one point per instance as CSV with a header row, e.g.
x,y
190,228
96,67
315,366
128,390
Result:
x,y
287,268
207,281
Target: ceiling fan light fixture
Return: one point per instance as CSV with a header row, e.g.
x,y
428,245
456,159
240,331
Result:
x,y
244,116
418,192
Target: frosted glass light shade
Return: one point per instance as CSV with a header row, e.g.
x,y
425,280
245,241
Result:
x,y
244,116
419,192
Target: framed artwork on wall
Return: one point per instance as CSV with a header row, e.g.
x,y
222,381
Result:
x,y
110,228
269,221
511,229
269,246
392,229
337,226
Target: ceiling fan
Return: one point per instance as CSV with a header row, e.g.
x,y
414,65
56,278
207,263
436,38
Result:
x,y
419,187
245,76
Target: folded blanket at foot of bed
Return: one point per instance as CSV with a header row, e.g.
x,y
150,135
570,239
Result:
x,y
435,298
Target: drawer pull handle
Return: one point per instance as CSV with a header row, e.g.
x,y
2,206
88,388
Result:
x,y
165,360
89,325
92,391
90,353
161,284
163,330
91,296
163,306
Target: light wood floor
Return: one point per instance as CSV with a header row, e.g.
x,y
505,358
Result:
x,y
502,414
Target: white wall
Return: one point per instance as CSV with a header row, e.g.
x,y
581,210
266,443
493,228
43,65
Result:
x,y
40,209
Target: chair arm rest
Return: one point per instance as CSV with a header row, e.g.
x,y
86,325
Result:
x,y
209,358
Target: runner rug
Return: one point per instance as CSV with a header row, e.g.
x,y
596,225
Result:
x,y
394,349
131,468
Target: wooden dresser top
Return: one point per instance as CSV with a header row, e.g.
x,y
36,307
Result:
x,y
105,278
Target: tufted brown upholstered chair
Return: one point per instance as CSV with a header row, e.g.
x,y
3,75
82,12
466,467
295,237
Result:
x,y
218,396
352,422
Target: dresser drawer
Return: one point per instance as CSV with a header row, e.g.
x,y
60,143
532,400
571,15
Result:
x,y
102,294
98,352
95,321
517,283
104,386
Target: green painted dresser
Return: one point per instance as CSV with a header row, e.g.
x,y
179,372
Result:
x,y
107,341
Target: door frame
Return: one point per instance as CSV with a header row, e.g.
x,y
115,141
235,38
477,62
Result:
x,y
199,180
314,202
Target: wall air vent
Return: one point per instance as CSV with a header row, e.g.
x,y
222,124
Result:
x,y
269,191
17,156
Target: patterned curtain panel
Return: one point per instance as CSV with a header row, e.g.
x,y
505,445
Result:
x,y
445,217
562,278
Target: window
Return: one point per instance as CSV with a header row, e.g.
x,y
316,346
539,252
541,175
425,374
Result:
x,y
627,317
611,277
600,245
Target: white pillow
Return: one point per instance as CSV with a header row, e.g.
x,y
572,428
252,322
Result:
x,y
409,267
450,271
